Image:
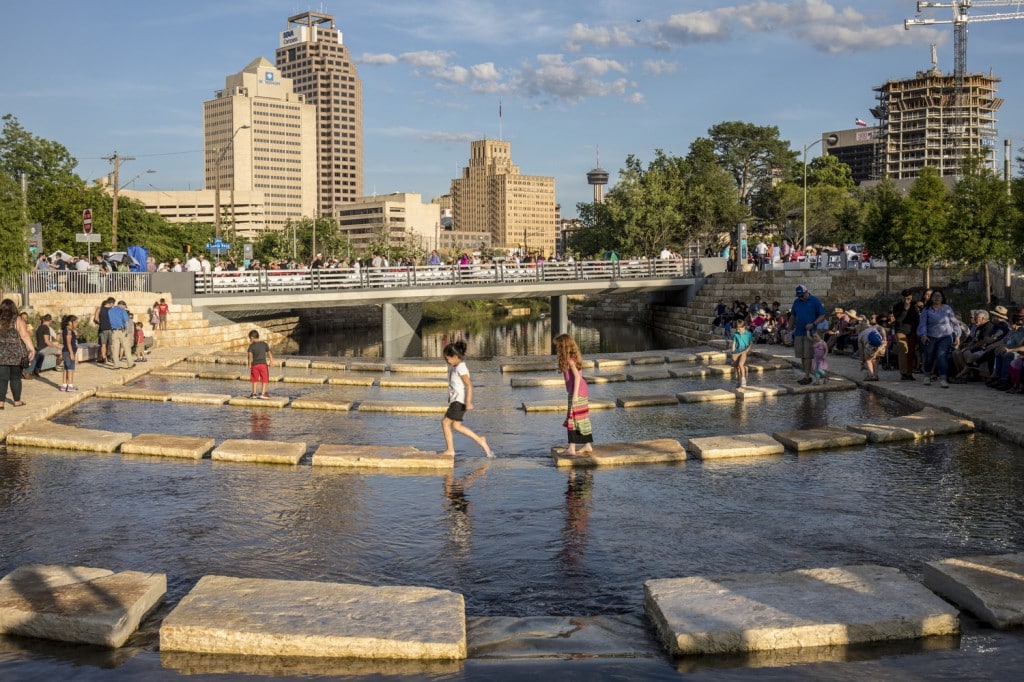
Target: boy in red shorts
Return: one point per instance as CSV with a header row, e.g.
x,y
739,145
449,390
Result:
x,y
260,361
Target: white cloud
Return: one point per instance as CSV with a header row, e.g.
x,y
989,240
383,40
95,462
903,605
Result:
x,y
485,72
557,79
659,67
601,37
636,98
428,59
383,58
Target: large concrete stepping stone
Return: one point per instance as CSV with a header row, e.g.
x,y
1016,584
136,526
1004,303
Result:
x,y
304,379
529,382
989,586
200,398
825,438
435,367
133,393
687,372
927,422
76,603
337,366
561,405
259,451
680,357
739,445
646,400
648,375
222,374
163,445
647,359
636,452
380,457
712,357
232,358
413,383
272,401
314,403
368,366
560,637
612,361
303,667
611,378
403,406
224,615
174,373
295,362
351,381
759,392
719,370
707,396
46,434
202,359
795,609
546,365
834,383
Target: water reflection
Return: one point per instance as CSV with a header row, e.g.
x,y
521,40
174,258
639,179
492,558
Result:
x,y
578,502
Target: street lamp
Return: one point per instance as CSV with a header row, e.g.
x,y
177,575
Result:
x,y
807,146
216,170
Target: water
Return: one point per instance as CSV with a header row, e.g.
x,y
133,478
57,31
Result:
x,y
515,535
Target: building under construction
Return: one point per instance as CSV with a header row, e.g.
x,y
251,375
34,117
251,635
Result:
x,y
931,120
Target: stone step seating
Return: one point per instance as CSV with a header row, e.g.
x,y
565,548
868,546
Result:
x,y
289,626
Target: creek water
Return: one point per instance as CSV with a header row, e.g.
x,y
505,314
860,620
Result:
x,y
515,535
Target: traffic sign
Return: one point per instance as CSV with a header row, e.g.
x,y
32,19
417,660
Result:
x,y
87,221
92,238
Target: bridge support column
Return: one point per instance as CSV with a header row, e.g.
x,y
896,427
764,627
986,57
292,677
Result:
x,y
401,330
559,317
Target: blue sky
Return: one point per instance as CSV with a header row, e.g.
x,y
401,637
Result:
x,y
629,77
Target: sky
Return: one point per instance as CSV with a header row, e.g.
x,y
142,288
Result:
x,y
572,80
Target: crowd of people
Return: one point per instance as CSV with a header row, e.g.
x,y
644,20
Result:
x,y
921,334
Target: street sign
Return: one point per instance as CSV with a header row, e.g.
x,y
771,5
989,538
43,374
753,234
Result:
x,y
218,246
87,221
92,238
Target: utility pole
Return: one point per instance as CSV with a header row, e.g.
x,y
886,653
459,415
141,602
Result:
x,y
116,159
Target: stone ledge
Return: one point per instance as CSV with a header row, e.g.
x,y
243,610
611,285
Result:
x,y
740,445
200,398
989,586
259,451
403,406
802,440
562,405
380,457
162,445
927,422
635,452
646,400
46,434
313,403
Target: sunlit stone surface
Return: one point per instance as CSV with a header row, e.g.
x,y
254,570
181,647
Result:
x,y
991,587
76,603
351,381
825,438
304,379
200,398
647,374
706,396
648,359
368,366
175,373
328,364
132,393
927,422
407,406
834,383
646,400
45,434
546,365
259,451
561,405
162,445
272,401
380,457
435,367
295,362
610,378
612,361
223,374
314,403
740,445
527,382
636,452
803,608
413,383
303,618
759,392
688,372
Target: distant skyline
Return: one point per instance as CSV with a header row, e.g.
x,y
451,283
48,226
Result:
x,y
568,77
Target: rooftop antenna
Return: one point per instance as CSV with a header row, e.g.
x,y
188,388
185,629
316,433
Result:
x,y
499,121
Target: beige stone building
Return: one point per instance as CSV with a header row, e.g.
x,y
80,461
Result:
x,y
311,53
401,216
196,206
493,196
259,137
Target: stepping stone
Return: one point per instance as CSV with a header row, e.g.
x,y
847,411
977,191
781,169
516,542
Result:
x,y
224,375
758,368
680,357
707,396
46,434
202,359
561,405
527,382
259,451
637,452
403,406
256,617
350,381
133,393
740,445
834,383
813,607
648,375
232,359
200,398
646,400
687,373
294,362
380,457
163,445
272,401
339,366
648,360
719,370
174,373
989,586
759,392
436,367
712,357
604,363
603,378
547,365
825,438
414,383
312,403
303,379
927,422
560,638
368,366
77,603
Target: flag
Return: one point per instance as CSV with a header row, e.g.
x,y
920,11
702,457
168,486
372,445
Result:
x,y
862,124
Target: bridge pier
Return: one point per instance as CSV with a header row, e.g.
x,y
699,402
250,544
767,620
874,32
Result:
x,y
401,330
559,317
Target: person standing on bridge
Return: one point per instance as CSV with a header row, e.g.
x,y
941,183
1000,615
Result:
x,y
460,399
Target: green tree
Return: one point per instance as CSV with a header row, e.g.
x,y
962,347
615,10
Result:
x,y
753,155
884,216
923,231
13,260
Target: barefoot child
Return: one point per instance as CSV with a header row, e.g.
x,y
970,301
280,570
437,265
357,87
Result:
x,y
260,360
819,362
69,350
577,418
460,399
140,343
741,342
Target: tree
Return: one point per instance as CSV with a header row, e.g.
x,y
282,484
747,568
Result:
x,y
752,154
884,216
923,231
13,261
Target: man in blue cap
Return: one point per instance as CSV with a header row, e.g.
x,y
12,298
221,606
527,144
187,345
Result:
x,y
808,313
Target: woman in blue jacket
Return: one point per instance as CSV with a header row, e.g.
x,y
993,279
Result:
x,y
938,331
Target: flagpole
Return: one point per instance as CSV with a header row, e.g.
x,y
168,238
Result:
x,y
500,136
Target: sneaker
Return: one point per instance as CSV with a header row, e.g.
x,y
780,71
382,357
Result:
x,y
62,387
71,387
264,397
253,396
944,383
927,381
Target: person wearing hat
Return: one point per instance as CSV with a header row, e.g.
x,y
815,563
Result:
x,y
972,348
984,357
1006,370
808,313
907,317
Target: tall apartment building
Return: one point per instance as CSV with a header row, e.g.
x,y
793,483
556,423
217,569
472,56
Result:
x,y
924,123
492,196
312,54
258,139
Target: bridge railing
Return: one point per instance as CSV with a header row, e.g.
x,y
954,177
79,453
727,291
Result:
x,y
336,279
84,281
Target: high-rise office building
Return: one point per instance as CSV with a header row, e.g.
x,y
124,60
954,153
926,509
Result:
x,y
492,196
312,54
258,138
858,148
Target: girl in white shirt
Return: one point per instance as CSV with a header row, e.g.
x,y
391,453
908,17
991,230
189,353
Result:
x,y
460,399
